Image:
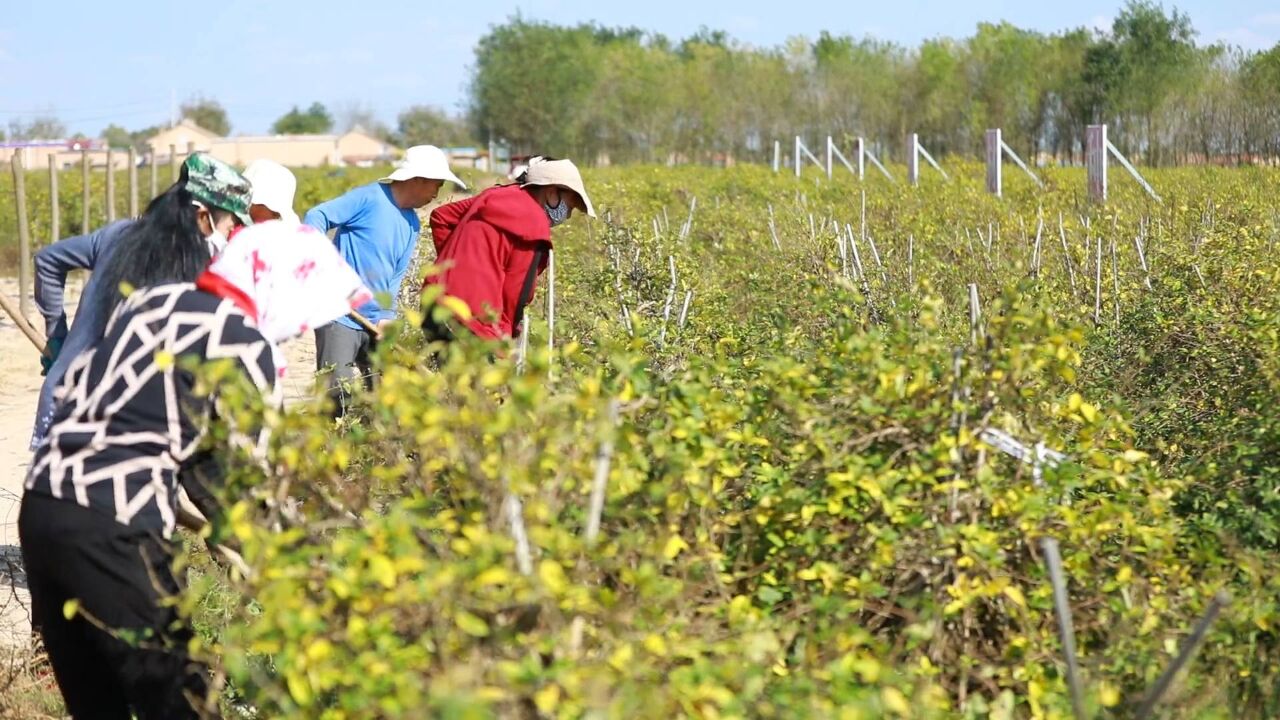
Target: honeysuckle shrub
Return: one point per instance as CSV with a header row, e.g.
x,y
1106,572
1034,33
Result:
x,y
801,517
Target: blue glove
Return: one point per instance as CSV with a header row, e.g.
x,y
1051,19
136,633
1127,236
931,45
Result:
x,y
54,348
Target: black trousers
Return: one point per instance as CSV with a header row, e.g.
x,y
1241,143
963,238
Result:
x,y
346,352
122,652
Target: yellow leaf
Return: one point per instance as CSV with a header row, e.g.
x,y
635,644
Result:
x,y
493,576
552,576
1109,695
319,650
456,306
164,359
1014,594
383,570
656,645
70,608
673,547
470,624
1089,412
895,701
1125,574
547,698
298,688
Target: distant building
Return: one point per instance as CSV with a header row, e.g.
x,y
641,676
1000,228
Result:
x,y
65,153
355,147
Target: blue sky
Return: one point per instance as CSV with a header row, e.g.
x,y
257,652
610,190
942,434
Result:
x,y
92,63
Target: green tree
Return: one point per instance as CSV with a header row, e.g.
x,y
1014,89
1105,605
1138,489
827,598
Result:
x,y
116,136
427,125
315,120
207,113
44,127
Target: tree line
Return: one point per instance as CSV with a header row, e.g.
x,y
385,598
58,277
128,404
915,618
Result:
x,y
417,124
628,95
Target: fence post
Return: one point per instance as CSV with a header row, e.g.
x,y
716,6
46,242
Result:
x,y
1095,158
173,161
862,157
829,148
55,222
995,184
24,232
86,200
111,187
913,159
151,160
133,182
797,156
777,155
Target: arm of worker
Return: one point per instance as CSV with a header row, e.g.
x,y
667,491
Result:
x,y
445,218
52,265
336,213
523,254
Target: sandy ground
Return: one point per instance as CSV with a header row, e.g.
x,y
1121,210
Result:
x,y
19,387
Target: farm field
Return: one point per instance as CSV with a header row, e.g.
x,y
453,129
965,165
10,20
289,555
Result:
x,y
749,468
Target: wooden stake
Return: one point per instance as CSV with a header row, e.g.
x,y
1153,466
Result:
x,y
155,186
55,219
1097,284
1115,281
133,182
1066,256
974,312
86,200
24,232
111,187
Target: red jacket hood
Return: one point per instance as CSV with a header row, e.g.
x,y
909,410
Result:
x,y
509,209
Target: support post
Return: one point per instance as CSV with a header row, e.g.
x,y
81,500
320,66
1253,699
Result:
x,y
862,157
155,183
913,159
111,187
173,162
1095,159
777,155
133,182
796,157
55,219
994,145
85,198
830,147
24,233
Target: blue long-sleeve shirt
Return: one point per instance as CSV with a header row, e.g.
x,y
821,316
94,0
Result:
x,y
83,252
377,239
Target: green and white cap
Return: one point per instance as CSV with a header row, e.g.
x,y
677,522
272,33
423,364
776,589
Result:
x,y
217,184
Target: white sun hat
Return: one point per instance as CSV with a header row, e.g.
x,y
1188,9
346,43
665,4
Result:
x,y
273,185
424,161
561,173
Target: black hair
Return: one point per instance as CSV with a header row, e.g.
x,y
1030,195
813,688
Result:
x,y
164,245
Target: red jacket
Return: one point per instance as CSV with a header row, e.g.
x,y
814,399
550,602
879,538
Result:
x,y
486,244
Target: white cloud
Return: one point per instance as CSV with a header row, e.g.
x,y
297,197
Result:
x,y
1245,37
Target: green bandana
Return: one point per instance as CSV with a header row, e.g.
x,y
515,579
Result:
x,y
217,184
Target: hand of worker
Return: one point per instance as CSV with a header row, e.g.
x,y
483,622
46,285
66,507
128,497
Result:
x,y
52,348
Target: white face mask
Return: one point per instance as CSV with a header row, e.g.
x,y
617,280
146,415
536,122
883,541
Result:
x,y
216,240
217,243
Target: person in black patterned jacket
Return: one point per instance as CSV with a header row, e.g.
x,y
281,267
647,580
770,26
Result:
x,y
100,506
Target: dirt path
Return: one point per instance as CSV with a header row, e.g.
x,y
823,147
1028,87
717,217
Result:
x,y
19,388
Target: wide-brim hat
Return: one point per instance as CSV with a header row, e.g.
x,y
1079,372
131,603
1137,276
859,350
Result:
x,y
217,184
274,186
561,173
424,161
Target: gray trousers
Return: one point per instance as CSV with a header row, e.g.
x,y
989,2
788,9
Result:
x,y
345,352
